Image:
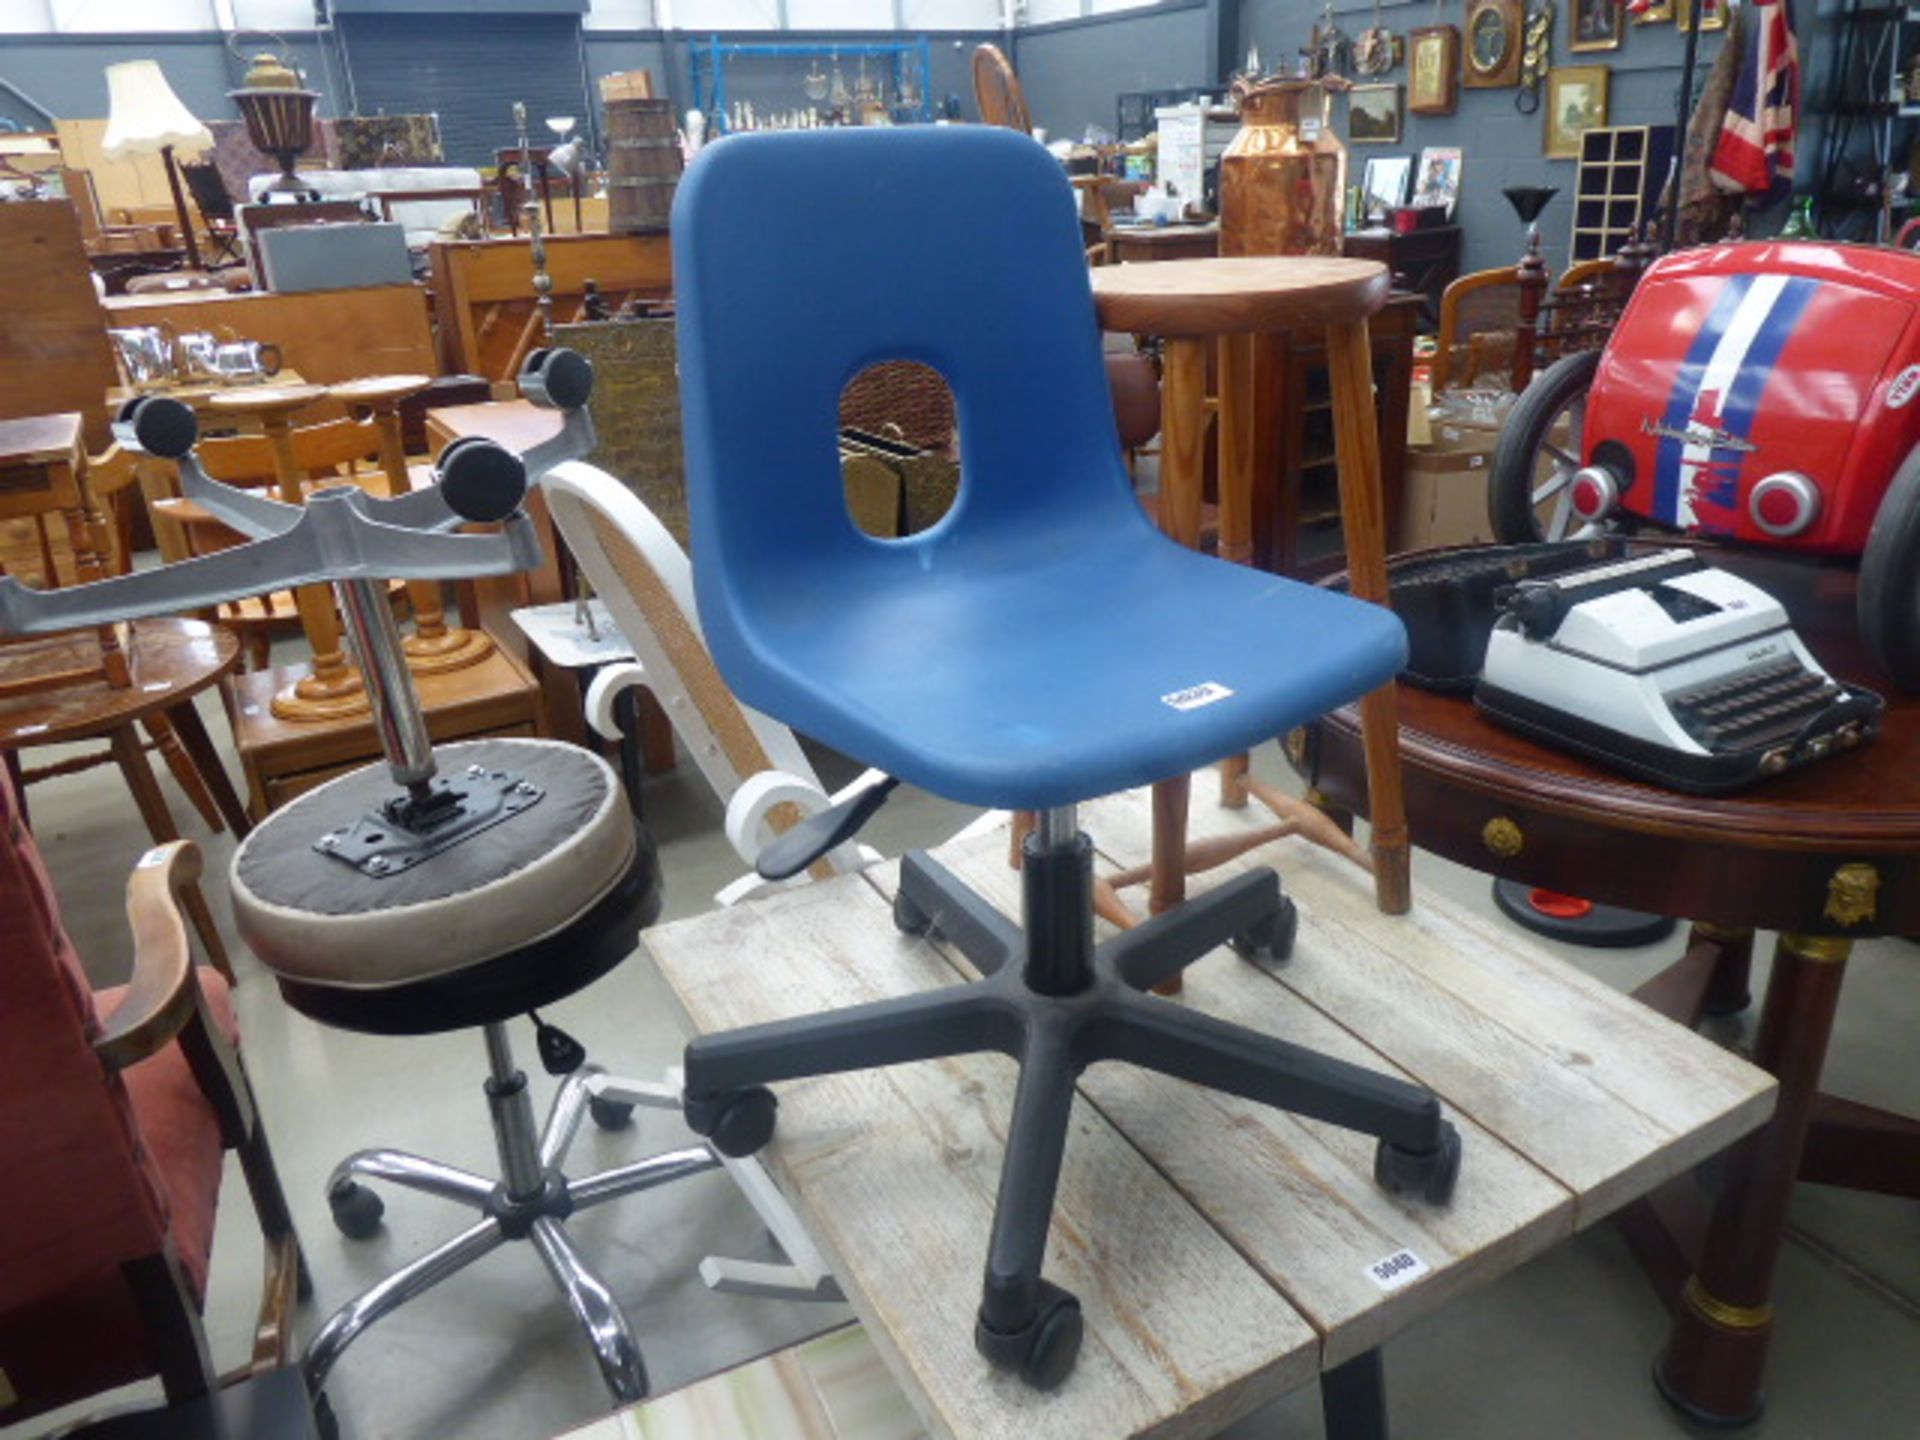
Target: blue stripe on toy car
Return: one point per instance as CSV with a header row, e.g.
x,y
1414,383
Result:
x,y
1742,404
1686,389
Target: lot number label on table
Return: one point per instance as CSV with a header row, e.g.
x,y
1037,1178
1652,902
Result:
x,y
1400,1268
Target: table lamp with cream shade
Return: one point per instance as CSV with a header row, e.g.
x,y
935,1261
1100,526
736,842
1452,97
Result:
x,y
145,117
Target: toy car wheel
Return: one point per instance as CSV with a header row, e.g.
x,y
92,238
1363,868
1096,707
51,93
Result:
x,y
1889,600
1530,494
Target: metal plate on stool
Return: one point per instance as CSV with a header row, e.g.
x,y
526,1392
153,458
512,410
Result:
x,y
380,844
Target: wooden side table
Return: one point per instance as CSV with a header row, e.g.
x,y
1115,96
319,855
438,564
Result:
x,y
1822,855
1226,1253
170,661
1136,243
331,688
42,474
1424,261
1245,304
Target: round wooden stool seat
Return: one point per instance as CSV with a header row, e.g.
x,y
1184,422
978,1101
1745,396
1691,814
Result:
x,y
376,392
265,399
515,916
1243,295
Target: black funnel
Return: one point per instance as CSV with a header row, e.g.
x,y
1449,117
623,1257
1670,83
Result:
x,y
1529,200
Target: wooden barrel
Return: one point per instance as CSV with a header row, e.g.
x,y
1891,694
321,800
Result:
x,y
643,165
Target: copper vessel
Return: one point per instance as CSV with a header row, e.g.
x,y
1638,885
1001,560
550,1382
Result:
x,y
1281,193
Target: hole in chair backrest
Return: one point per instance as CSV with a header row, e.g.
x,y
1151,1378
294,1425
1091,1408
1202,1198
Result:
x,y
899,448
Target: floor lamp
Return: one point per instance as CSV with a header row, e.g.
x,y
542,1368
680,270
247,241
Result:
x,y
145,117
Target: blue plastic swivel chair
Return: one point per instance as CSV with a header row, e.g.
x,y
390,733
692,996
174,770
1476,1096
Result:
x,y
1040,645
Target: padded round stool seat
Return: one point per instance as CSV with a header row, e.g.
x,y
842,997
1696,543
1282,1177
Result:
x,y
513,917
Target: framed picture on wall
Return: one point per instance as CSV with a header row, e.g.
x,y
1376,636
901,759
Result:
x,y
1595,24
1655,12
1433,71
1373,115
1576,103
1438,179
1713,14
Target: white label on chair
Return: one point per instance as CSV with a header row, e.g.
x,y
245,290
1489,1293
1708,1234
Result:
x,y
1400,1268
1194,696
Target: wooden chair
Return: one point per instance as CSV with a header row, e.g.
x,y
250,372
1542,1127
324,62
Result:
x,y
1479,314
997,91
115,1109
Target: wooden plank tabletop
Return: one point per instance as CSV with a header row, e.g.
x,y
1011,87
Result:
x,y
1221,1249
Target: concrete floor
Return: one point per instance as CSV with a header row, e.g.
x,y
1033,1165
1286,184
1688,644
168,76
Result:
x,y
1560,1348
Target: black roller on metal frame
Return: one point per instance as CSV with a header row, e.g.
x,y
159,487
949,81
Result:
x,y
557,378
481,480
158,425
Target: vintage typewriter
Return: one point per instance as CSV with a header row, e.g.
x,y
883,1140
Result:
x,y
1668,668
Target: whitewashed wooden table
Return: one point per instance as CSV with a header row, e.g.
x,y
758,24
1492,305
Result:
x,y
1224,1253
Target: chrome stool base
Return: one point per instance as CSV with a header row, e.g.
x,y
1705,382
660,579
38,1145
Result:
x,y
532,1201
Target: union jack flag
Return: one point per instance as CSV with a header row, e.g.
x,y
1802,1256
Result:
x,y
1755,153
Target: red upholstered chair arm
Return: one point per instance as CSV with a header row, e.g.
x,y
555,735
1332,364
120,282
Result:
x,y
163,1001
163,995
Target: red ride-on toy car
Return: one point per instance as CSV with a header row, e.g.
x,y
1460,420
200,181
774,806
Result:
x,y
1761,393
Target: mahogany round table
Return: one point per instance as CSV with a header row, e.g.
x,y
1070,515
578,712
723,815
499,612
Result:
x,y
1824,855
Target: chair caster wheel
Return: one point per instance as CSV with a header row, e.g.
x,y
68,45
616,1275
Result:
x,y
738,1122
909,918
1270,939
1045,1350
356,1210
1429,1174
610,1114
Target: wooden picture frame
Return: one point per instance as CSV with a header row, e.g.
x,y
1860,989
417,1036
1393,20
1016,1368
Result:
x,y
1576,103
1595,24
1373,115
1490,44
1713,15
1433,70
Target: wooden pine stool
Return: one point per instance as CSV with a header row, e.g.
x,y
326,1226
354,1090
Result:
x,y
434,646
1243,304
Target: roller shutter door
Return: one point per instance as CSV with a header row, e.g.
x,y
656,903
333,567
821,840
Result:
x,y
468,69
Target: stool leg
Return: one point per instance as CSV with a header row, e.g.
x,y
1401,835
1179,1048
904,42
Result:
x,y
346,1323
593,1304
199,747
1183,461
1237,448
132,759
1363,517
185,774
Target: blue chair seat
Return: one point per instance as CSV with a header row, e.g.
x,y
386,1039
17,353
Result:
x,y
1052,683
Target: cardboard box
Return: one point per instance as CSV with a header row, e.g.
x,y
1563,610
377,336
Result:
x,y
1443,500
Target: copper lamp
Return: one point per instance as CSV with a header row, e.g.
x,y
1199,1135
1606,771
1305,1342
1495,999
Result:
x,y
145,117
279,115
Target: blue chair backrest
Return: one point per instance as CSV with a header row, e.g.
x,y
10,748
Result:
x,y
802,258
